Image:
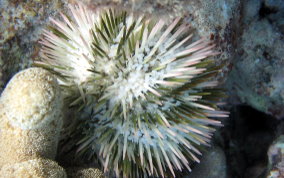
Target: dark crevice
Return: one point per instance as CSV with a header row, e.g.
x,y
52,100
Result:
x,y
266,11
247,135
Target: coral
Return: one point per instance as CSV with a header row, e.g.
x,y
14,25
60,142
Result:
x,y
31,99
35,168
84,173
150,89
31,117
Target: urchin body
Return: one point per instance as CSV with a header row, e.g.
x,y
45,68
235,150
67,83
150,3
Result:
x,y
150,88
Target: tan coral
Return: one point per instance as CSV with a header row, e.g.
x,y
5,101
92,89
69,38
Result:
x,y
84,173
30,115
36,168
31,99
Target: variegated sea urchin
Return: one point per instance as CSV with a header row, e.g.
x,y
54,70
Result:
x,y
151,89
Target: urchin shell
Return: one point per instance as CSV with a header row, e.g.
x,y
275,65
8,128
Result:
x,y
150,88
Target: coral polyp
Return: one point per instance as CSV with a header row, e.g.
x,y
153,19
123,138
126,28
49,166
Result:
x,y
150,87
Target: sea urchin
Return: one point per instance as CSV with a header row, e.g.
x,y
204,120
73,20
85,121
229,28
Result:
x,y
150,88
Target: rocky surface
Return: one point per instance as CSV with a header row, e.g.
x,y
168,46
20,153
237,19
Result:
x,y
30,124
32,99
212,165
81,172
21,26
276,158
30,117
35,168
257,75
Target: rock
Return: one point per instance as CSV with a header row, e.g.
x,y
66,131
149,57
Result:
x,y
19,17
36,168
251,11
256,171
212,165
213,17
257,76
30,116
274,4
276,158
84,173
274,11
21,24
217,21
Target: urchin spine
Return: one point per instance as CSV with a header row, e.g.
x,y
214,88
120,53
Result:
x,y
151,89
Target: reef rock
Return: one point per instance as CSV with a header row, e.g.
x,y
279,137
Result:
x,y
258,67
30,116
36,168
276,158
78,172
212,165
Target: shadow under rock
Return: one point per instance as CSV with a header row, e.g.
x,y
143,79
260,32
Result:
x,y
247,136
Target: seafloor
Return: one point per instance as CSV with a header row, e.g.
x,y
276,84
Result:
x,y
250,34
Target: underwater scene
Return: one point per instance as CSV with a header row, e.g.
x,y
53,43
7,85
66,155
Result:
x,y
142,89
